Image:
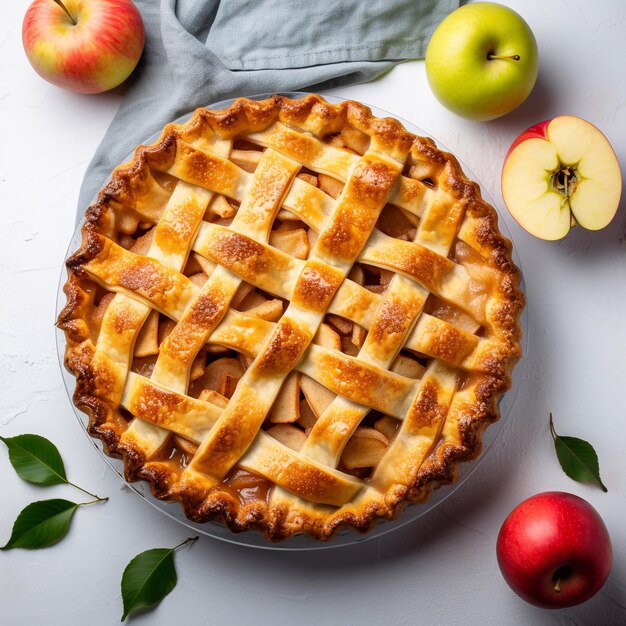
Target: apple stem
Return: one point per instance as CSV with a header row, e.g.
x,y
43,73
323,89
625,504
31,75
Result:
x,y
512,57
68,13
561,574
552,431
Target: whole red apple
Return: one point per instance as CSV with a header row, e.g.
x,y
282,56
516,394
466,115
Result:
x,y
87,46
554,550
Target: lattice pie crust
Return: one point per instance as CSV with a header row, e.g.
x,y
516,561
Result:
x,y
291,316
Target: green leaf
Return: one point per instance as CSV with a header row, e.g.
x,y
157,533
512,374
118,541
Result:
x,y
148,578
36,459
577,458
41,524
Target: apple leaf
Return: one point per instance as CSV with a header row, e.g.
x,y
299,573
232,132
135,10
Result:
x,y
577,458
148,578
41,524
36,459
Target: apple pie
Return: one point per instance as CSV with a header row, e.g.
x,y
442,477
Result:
x,y
291,316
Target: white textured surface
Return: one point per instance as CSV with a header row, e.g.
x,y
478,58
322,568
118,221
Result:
x,y
440,570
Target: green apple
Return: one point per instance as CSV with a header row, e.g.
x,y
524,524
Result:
x,y
482,61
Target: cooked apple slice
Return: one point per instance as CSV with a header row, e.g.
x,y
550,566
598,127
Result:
x,y
286,407
307,418
406,366
270,311
147,343
343,325
142,244
184,445
558,173
358,335
308,178
208,267
198,279
97,314
166,326
246,159
293,242
316,395
222,376
192,266
208,395
388,426
198,365
288,435
327,337
355,140
330,185
242,292
221,207
365,448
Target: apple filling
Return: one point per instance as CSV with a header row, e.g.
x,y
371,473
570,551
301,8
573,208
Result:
x,y
217,369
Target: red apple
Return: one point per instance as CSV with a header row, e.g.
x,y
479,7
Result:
x,y
558,173
87,46
554,550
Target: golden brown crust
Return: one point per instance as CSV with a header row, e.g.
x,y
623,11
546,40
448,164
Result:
x,y
454,420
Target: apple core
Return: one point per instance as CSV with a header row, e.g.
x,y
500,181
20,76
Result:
x,y
565,182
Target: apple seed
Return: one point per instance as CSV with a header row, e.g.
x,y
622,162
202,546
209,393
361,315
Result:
x,y
565,180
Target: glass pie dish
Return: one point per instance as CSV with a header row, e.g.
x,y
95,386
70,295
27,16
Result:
x,y
376,175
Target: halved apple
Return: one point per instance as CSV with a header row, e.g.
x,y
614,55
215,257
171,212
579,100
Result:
x,y
559,173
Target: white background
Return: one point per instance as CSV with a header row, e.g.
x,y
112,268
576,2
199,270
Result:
x,y
441,569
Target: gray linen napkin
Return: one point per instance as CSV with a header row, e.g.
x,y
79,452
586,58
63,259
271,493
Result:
x,y
198,52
